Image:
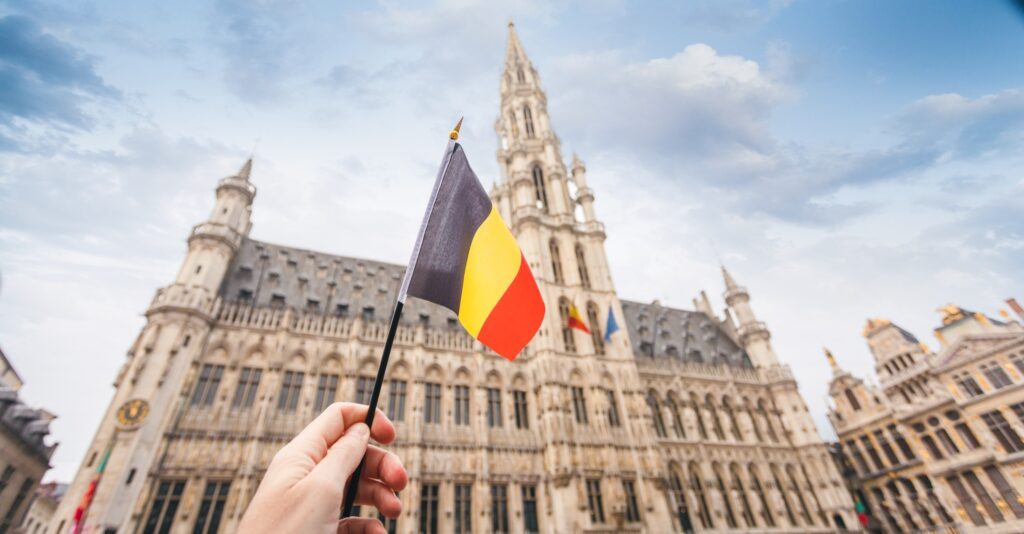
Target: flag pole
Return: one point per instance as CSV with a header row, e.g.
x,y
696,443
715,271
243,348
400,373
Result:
x,y
353,486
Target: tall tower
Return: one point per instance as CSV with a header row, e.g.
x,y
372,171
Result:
x,y
573,370
149,384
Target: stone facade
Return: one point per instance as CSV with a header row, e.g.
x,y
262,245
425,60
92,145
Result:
x,y
936,444
24,453
40,513
683,420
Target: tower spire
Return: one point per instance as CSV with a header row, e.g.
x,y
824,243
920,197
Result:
x,y
729,282
246,170
514,51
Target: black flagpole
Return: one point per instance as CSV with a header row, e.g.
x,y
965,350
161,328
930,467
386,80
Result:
x,y
353,486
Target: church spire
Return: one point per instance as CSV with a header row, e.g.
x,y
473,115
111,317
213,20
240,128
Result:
x,y
246,170
514,52
730,284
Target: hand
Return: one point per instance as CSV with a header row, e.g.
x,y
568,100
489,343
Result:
x,y
303,488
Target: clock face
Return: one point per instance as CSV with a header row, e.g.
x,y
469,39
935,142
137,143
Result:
x,y
133,412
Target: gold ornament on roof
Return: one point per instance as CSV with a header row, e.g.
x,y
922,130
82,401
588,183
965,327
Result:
x,y
874,324
951,313
831,359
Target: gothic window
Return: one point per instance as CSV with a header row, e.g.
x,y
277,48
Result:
x,y
513,125
291,388
698,489
886,448
901,442
364,390
462,405
716,424
211,508
326,389
165,506
785,495
248,384
520,75
804,511
463,508
519,406
858,458
581,263
730,516
207,384
499,508
852,398
556,261
695,404
579,405
677,420
632,510
766,510
613,409
996,375
429,508
594,502
595,328
528,121
1000,428
494,408
731,416
530,523
396,400
763,412
675,487
659,423
933,449
540,191
567,335
432,409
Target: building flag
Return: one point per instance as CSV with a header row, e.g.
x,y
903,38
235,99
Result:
x,y
90,492
610,326
467,260
576,320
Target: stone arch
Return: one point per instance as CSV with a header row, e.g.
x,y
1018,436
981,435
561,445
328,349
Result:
x,y
434,373
763,411
656,418
730,415
740,490
697,486
759,491
730,515
567,334
494,379
777,483
695,404
716,423
677,420
556,261
677,496
540,190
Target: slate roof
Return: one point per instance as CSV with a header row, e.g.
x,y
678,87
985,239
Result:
x,y
269,275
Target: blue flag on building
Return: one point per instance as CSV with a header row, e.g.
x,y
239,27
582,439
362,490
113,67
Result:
x,y
611,326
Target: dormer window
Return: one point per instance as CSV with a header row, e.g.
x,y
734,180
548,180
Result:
x,y
452,322
368,313
245,295
341,310
312,305
277,301
424,320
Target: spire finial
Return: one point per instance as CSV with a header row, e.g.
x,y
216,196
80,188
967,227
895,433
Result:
x,y
454,134
831,359
729,282
246,170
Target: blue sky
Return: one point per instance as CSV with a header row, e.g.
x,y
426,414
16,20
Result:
x,y
845,159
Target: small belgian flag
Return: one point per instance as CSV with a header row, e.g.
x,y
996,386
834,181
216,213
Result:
x,y
467,260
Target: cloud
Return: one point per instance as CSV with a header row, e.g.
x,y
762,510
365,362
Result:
x,y
732,15
45,83
258,44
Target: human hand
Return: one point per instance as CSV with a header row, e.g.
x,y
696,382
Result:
x,y
304,486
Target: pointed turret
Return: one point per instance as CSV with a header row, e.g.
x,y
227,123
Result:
x,y
246,169
729,282
832,362
754,334
514,52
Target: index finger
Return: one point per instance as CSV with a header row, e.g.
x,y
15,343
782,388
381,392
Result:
x,y
329,426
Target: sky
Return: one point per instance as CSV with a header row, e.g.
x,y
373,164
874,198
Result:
x,y
844,159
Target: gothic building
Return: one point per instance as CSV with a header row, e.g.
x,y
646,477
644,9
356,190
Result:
x,y
682,421
936,445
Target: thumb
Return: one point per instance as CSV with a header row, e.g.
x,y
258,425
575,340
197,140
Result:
x,y
345,455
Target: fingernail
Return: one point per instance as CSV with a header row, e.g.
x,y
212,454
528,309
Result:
x,y
359,430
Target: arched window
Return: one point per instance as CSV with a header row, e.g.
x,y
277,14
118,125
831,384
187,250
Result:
x,y
698,489
785,495
595,328
677,420
716,424
730,516
731,415
763,412
581,263
675,486
567,339
656,419
556,261
528,121
695,404
795,487
850,396
755,484
540,192
737,486
520,75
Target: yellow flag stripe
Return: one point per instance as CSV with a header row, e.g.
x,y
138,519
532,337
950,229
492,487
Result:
x,y
491,266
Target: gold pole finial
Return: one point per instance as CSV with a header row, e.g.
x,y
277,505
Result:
x,y
831,359
454,135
